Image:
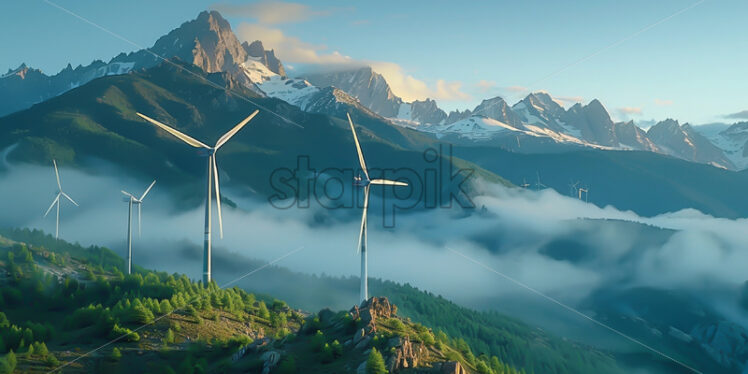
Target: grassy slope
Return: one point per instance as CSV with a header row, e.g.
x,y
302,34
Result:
x,y
491,334
71,299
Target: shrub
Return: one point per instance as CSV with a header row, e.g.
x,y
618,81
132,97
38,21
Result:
x,y
318,340
263,311
51,360
375,363
116,354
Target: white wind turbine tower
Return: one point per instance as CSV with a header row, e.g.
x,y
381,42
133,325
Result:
x,y
212,180
365,182
131,199
56,201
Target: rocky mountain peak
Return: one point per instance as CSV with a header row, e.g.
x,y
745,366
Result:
x,y
206,41
497,108
595,108
363,83
20,71
267,58
543,100
669,126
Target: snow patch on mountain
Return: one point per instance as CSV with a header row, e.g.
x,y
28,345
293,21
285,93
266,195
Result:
x,y
256,71
474,128
297,92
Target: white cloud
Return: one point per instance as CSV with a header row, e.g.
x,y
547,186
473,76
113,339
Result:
x,y
410,88
660,102
270,12
289,48
628,110
293,50
485,86
563,100
516,89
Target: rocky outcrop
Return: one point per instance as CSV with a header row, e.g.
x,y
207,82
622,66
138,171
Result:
x,y
267,58
407,355
372,310
270,361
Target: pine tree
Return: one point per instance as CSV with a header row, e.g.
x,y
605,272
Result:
x,y
375,363
116,354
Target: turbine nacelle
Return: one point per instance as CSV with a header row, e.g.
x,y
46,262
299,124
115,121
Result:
x,y
361,182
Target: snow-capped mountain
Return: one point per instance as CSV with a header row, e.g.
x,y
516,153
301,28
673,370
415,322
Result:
x,y
684,142
207,42
732,140
536,123
369,87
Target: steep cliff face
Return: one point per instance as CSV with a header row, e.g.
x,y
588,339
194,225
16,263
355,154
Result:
x,y
369,87
267,58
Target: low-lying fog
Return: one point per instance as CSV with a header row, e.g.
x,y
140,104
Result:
x,y
553,243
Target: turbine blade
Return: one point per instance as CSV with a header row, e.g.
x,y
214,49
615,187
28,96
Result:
x,y
363,219
147,190
53,204
127,194
185,138
387,182
218,197
57,174
69,198
358,148
222,140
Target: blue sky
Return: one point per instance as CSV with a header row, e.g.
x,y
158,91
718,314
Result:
x,y
690,67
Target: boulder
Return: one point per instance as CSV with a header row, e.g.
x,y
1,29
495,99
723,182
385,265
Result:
x,y
406,355
373,309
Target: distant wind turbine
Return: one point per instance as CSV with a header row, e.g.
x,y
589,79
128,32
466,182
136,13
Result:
x,y
586,193
212,180
56,201
130,199
365,182
574,189
538,184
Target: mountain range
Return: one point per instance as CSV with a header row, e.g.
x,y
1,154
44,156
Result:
x,y
535,124
534,138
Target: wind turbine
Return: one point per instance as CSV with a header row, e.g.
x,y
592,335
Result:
x,y
573,189
539,185
56,201
130,199
212,179
586,193
365,182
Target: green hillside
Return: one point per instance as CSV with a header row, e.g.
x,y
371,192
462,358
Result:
x,y
75,310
